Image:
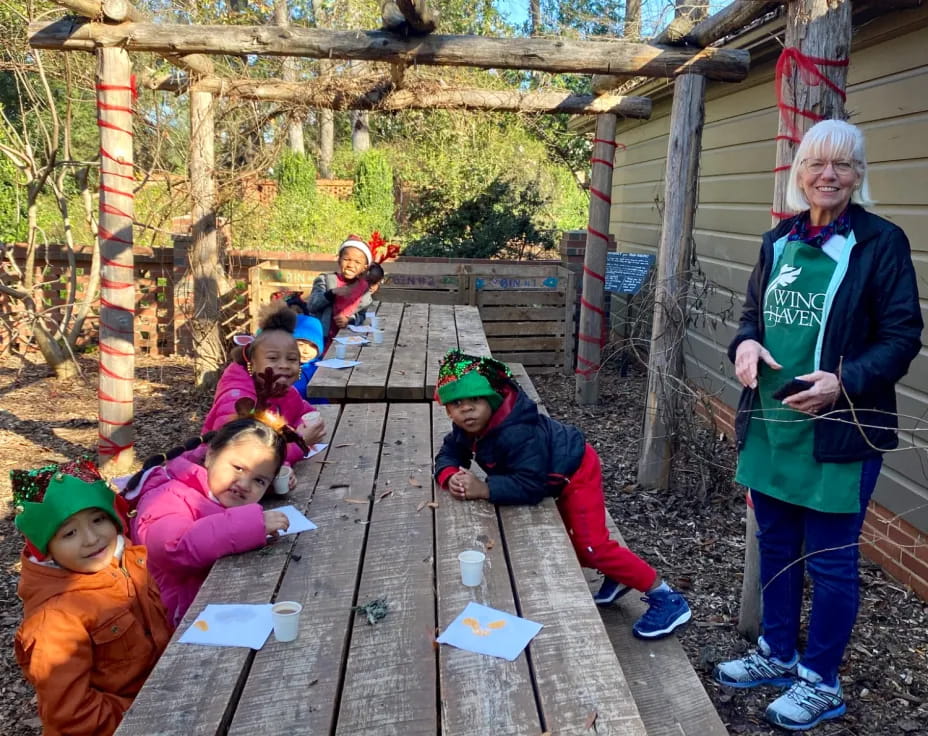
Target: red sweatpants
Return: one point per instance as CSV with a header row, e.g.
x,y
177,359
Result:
x,y
583,510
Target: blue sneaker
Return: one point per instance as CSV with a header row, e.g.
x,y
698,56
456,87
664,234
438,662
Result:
x,y
808,702
757,668
667,612
609,592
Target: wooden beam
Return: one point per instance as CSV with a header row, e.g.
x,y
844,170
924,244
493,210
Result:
x,y
122,10
683,30
731,18
327,93
553,55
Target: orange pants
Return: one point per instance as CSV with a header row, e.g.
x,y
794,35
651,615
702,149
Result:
x,y
583,510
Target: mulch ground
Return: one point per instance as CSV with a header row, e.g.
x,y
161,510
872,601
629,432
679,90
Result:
x,y
694,533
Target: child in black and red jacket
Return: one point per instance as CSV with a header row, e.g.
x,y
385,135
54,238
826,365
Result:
x,y
528,456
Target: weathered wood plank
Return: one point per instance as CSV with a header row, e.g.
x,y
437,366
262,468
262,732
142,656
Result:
x,y
368,381
522,327
476,690
322,575
669,695
471,338
442,337
201,683
491,314
390,679
552,343
520,297
576,670
407,376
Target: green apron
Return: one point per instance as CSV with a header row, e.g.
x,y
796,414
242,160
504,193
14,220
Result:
x,y
777,457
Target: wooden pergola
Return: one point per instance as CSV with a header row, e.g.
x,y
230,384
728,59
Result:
x,y
113,28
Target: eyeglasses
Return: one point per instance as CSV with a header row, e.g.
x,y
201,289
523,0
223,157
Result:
x,y
817,166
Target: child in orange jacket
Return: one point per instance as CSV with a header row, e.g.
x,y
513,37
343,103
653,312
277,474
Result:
x,y
93,623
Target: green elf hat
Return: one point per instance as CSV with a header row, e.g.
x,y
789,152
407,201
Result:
x,y
462,376
64,497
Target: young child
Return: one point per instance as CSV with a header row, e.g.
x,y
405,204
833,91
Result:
x,y
273,348
309,342
93,622
195,509
528,456
338,299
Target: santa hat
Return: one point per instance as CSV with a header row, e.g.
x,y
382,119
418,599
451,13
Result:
x,y
462,376
353,241
64,496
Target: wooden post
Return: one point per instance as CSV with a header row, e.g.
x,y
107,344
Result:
x,y
814,28
117,272
592,313
205,263
665,360
295,125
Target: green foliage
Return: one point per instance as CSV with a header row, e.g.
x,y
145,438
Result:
x,y
373,191
12,202
500,218
296,176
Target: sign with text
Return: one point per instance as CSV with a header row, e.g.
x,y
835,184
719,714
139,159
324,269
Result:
x,y
627,272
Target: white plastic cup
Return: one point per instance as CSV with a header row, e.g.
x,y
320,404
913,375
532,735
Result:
x,y
310,418
378,337
375,320
370,316
471,567
286,617
282,481
340,350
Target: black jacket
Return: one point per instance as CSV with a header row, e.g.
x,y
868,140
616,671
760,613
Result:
x,y
872,334
527,455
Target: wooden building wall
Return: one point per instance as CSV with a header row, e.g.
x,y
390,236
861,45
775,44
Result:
x,y
888,98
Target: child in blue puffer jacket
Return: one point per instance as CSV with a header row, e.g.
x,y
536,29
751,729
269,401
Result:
x,y
528,456
308,334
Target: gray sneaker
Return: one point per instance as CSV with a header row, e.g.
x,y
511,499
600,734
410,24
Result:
x,y
807,703
758,668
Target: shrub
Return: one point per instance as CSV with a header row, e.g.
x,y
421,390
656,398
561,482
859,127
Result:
x,y
373,191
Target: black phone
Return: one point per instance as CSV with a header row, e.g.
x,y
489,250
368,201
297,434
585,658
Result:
x,y
793,387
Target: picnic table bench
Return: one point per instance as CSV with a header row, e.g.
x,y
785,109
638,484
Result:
x,y
405,366
385,530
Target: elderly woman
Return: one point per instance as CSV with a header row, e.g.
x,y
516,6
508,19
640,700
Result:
x,y
833,302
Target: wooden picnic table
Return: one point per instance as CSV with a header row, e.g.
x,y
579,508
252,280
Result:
x,y
405,366
384,529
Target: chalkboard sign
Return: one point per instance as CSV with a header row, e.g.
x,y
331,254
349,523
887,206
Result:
x,y
627,272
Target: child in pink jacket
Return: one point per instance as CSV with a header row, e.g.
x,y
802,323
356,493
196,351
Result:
x,y
203,506
274,347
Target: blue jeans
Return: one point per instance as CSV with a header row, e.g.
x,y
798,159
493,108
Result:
x,y
829,543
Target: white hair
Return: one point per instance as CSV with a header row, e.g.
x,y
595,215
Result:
x,y
829,140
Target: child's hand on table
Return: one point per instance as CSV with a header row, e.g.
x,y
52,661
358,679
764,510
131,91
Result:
x,y
466,486
340,321
275,521
311,432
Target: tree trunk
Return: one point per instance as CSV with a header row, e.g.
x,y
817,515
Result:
x,y
632,20
665,360
326,142
360,131
117,274
205,263
592,313
543,54
534,14
288,72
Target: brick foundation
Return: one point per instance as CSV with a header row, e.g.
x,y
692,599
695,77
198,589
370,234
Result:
x,y
894,544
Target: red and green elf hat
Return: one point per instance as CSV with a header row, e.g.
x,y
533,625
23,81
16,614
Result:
x,y
47,497
463,376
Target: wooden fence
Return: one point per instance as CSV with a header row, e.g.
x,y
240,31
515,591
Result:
x,y
527,307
